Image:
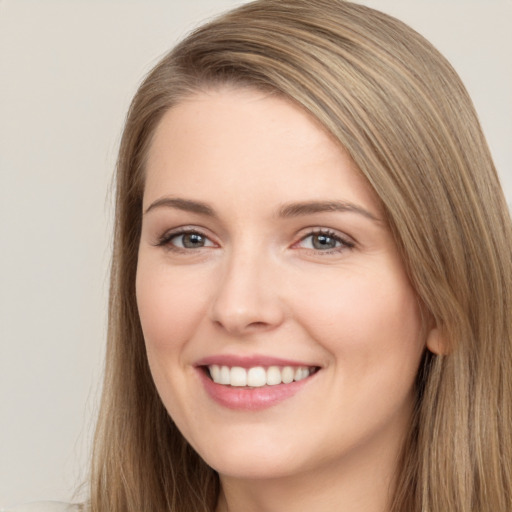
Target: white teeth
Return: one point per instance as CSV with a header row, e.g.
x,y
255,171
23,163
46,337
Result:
x,y
273,376
301,373
225,375
238,376
298,374
287,374
257,376
215,372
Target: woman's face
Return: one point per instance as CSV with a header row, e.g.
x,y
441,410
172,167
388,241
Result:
x,y
265,264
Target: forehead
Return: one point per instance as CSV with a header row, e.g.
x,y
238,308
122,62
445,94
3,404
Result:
x,y
226,141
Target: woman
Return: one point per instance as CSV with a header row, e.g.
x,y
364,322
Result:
x,y
311,283
201,285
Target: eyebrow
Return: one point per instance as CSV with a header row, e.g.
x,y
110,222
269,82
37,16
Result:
x,y
186,205
311,207
290,210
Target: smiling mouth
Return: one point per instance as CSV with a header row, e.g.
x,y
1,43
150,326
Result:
x,y
257,376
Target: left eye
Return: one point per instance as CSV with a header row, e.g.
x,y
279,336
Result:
x,y
323,242
190,240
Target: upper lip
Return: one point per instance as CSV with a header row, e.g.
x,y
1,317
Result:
x,y
250,361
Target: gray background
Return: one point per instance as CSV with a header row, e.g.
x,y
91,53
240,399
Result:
x,y
68,70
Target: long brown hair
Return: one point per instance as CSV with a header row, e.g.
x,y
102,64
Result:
x,y
401,111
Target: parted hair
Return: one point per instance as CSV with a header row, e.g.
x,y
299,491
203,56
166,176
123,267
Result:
x,y
400,110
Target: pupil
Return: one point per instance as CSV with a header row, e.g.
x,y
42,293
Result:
x,y
324,242
192,240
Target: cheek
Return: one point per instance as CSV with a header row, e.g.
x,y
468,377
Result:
x,y
373,334
171,304
365,322
170,308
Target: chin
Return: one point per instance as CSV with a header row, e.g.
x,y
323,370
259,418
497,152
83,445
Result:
x,y
252,460
257,468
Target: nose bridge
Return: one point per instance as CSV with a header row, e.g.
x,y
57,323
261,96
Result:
x,y
247,295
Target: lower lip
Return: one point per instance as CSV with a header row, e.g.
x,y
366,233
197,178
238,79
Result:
x,y
251,399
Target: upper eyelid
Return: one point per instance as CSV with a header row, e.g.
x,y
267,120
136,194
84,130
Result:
x,y
168,235
317,230
345,241
186,229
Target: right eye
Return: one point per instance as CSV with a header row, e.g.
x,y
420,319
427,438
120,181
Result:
x,y
186,240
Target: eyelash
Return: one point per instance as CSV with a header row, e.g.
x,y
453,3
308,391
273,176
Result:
x,y
344,242
166,240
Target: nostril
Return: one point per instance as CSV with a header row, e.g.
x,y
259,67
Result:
x,y
257,324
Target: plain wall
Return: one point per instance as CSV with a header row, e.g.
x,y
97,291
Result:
x,y
68,70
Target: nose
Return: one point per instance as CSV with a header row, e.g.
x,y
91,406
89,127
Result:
x,y
248,297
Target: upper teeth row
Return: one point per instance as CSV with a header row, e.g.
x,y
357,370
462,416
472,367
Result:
x,y
257,376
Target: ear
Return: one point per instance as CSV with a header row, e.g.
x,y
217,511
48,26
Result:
x,y
436,342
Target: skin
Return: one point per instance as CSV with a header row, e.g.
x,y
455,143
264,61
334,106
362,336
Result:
x,y
259,286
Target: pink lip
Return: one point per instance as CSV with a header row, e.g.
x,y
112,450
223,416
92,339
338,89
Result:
x,y
249,399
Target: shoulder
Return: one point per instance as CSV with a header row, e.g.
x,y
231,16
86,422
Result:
x,y
45,506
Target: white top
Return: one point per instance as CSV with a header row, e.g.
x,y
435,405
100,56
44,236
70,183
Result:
x,y
44,506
